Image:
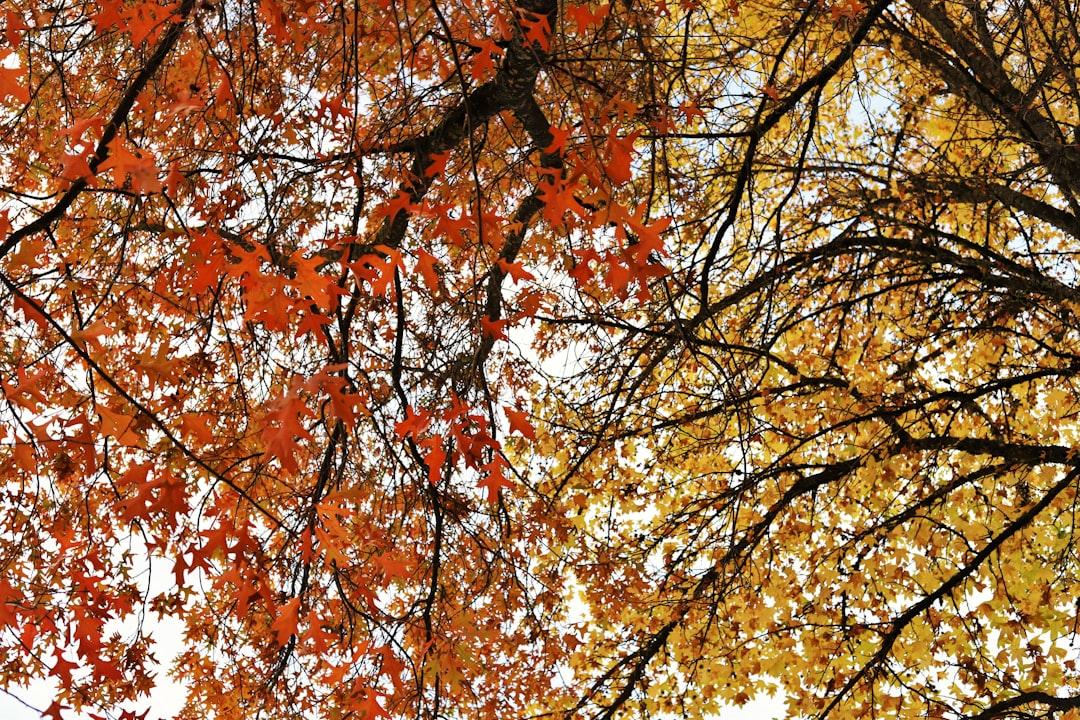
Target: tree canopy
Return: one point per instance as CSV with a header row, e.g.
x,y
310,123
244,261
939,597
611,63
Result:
x,y
538,359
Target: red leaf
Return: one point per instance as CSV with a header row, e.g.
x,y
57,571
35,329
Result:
x,y
311,323
62,668
378,270
9,603
109,14
558,139
494,328
537,29
519,423
493,479
413,424
369,707
436,164
53,710
401,202
451,228
173,179
483,62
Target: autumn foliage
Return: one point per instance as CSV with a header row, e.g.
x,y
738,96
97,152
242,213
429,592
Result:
x,y
533,359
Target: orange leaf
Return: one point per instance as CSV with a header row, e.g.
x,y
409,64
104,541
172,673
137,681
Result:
x,y
118,425
11,83
91,333
620,154
284,626
558,139
425,263
435,457
14,28
137,166
31,311
515,270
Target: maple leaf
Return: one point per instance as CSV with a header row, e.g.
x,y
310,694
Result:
x,y
62,668
75,166
29,256
451,228
559,137
378,270
320,637
334,107
846,9
402,202
558,199
276,19
144,22
174,179
77,130
92,333
582,271
312,323
109,14
309,282
528,304
368,705
391,666
393,566
691,111
285,428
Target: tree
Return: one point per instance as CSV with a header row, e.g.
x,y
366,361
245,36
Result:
x,y
537,359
